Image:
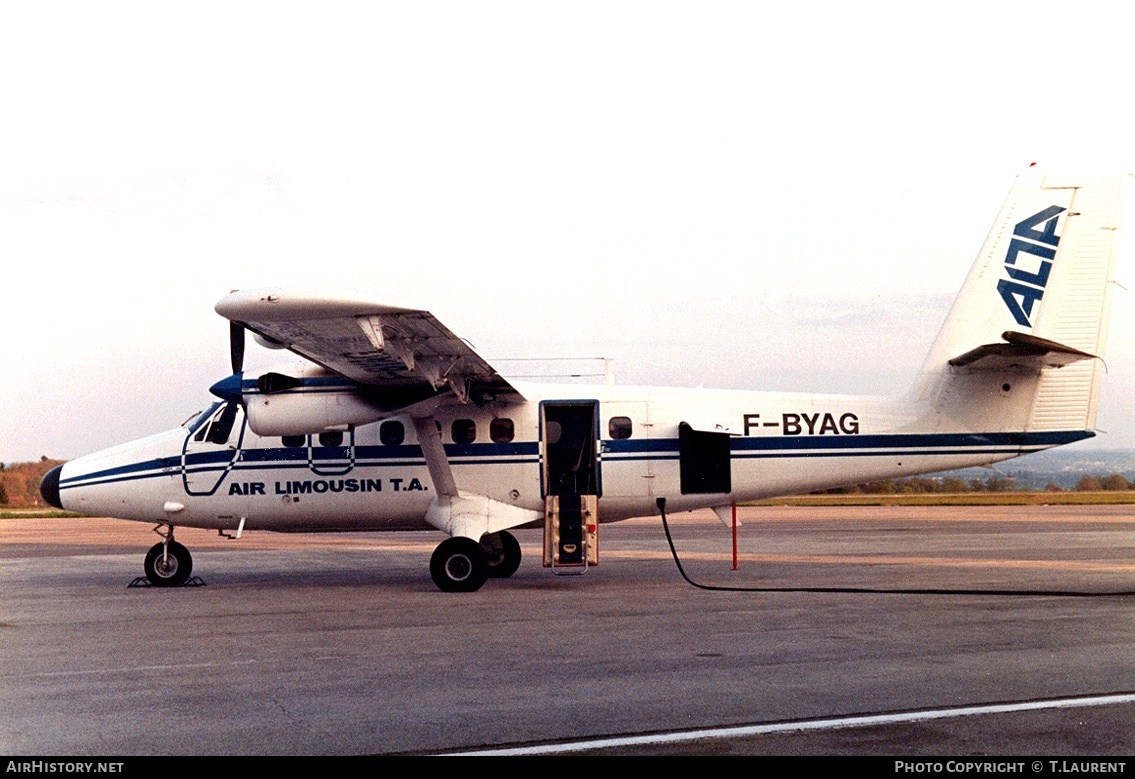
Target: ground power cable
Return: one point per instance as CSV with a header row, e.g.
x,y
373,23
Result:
x,y
661,502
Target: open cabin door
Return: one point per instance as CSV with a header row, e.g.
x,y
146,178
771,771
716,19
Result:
x,y
569,445
705,464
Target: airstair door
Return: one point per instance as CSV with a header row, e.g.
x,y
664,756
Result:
x,y
569,441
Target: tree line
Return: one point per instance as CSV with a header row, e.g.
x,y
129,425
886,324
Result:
x,y
19,483
949,484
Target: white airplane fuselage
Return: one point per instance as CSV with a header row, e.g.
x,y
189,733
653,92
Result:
x,y
370,478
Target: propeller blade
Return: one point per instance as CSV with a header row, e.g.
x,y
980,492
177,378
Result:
x,y
236,346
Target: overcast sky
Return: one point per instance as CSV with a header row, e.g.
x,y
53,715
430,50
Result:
x,y
746,195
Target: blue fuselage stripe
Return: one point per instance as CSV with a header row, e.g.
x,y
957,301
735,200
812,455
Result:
x,y
613,451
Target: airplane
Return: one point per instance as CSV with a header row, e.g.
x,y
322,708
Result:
x,y
395,423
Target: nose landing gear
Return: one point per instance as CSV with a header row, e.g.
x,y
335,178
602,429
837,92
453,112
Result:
x,y
168,563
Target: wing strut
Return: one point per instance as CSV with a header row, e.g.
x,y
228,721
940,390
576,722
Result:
x,y
469,515
429,438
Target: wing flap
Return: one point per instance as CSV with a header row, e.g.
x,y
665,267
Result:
x,y
373,344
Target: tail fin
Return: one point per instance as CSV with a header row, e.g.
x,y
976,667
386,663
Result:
x,y
1022,347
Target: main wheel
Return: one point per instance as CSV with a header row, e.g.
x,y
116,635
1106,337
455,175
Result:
x,y
168,570
458,565
503,562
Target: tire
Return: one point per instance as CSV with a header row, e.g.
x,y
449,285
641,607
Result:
x,y
504,563
173,570
459,565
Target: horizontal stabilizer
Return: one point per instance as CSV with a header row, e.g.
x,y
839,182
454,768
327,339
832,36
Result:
x,y
1021,350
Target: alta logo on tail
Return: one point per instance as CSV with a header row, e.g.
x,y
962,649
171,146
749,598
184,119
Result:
x,y
1027,288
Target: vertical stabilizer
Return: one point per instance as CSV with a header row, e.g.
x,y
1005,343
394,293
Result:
x,y
1020,350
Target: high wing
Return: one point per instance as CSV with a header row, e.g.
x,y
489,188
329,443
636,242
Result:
x,y
401,349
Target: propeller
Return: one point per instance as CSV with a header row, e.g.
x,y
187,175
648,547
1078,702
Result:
x,y
229,388
236,346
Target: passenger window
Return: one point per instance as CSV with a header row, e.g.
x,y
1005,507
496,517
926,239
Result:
x,y
620,427
501,430
391,433
464,431
294,440
331,438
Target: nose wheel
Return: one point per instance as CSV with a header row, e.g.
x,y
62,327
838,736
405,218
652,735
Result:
x,y
168,564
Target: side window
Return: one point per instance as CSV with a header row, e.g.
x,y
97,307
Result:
x,y
464,431
331,438
294,440
201,433
391,432
620,427
501,430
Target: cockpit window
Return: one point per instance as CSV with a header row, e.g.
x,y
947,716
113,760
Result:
x,y
200,418
220,426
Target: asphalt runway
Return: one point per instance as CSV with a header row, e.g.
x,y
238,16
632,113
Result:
x,y
341,645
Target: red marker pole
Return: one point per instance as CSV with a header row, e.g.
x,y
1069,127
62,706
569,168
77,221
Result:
x,y
734,536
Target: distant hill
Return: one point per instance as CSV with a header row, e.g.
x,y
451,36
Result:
x,y
1062,467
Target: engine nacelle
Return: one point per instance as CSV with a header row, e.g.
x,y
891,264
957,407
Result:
x,y
305,413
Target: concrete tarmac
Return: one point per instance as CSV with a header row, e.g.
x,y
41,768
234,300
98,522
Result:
x,y
341,645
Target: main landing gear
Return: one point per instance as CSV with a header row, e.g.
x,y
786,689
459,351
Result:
x,y
458,564
462,565
168,563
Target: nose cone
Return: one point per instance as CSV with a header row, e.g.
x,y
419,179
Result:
x,y
49,487
228,388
